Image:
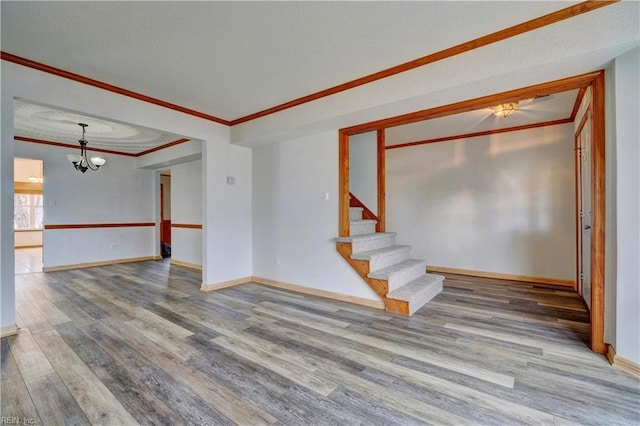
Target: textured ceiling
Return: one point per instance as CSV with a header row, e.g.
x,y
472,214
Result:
x,y
230,59
554,107
45,123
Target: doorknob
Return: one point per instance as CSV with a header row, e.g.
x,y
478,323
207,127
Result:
x,y
587,227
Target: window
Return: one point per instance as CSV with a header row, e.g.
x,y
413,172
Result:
x,y
28,211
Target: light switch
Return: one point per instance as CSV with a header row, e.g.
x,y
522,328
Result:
x,y
231,180
326,195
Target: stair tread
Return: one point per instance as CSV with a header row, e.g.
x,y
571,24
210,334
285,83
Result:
x,y
385,251
365,237
361,221
425,283
385,273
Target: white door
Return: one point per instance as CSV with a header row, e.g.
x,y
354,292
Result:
x,y
584,287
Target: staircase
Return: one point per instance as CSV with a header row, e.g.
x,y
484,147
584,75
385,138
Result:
x,y
401,282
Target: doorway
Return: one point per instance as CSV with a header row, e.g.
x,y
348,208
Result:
x,y
585,210
165,213
28,215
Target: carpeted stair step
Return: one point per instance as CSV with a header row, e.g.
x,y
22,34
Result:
x,y
383,257
365,242
360,227
419,291
401,273
355,213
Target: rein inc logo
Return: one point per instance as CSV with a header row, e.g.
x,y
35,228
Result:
x,y
17,420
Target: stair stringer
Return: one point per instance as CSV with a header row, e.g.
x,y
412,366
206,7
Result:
x,y
381,287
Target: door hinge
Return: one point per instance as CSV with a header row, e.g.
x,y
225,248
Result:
x,y
581,275
581,214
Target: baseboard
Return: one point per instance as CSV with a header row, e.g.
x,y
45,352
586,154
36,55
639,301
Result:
x,y
9,330
225,284
497,275
94,264
27,247
186,264
623,364
378,304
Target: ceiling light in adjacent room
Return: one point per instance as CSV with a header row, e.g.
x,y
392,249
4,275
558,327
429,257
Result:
x,y
503,110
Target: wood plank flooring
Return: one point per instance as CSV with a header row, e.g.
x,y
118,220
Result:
x,y
141,344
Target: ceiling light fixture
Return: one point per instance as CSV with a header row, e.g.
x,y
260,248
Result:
x,y
81,162
503,110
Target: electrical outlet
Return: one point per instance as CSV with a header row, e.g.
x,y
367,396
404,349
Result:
x,y
277,260
114,246
326,196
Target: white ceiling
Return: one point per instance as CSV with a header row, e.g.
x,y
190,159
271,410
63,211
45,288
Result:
x,y
49,124
554,107
231,59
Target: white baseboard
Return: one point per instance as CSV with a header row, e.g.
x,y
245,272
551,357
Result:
x,y
186,264
9,330
225,284
94,264
378,304
623,364
500,276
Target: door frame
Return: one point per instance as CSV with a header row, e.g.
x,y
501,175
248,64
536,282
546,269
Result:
x,y
596,81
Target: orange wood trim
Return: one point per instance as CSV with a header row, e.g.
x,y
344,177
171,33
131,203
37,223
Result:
x,y
158,148
27,230
578,197
598,226
27,247
99,225
529,92
483,133
186,225
343,184
382,190
105,86
576,106
367,214
583,120
68,145
534,24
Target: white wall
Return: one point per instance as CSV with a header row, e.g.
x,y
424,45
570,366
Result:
x,y
500,203
28,238
227,212
118,192
186,200
363,168
627,134
294,227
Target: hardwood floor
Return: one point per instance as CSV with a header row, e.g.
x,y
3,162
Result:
x,y
140,343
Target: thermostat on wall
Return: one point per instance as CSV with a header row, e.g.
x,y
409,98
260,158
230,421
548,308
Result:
x,y
231,180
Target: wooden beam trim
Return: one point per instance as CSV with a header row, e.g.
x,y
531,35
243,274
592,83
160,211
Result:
x,y
483,133
343,184
583,120
598,216
158,148
68,145
5,56
186,225
382,191
520,94
576,105
99,225
515,30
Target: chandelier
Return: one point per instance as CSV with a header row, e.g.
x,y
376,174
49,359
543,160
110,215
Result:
x,y
503,110
81,162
